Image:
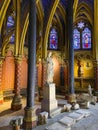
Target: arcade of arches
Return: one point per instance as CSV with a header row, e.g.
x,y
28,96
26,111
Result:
x,y
71,37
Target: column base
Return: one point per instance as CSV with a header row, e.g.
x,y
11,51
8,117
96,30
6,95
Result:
x,y
1,97
71,98
16,103
30,119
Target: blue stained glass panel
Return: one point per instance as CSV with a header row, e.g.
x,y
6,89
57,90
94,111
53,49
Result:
x,y
76,39
12,39
10,21
86,39
53,40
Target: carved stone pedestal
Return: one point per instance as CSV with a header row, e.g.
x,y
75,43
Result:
x,y
49,102
42,118
29,121
16,103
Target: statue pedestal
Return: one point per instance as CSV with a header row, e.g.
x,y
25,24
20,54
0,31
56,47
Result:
x,y
49,102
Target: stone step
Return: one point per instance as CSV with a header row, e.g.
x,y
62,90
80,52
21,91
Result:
x,y
55,112
76,116
57,126
68,121
83,111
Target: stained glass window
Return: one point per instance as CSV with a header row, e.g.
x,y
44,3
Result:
x,y
12,39
86,39
82,36
10,25
10,21
53,39
76,38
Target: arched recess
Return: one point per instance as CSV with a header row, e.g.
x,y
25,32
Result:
x,y
3,12
84,9
75,8
8,29
84,12
59,24
48,25
40,16
40,20
86,16
62,12
5,44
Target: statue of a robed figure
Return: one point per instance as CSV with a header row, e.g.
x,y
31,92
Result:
x,y
49,68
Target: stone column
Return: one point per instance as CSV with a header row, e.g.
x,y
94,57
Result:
x,y
95,43
43,73
30,114
95,40
16,103
1,68
71,51
17,27
96,75
62,67
66,79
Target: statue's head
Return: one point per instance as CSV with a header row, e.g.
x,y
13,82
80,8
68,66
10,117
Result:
x,y
50,54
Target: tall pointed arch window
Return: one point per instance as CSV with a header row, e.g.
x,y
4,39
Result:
x,y
76,39
10,22
10,27
82,36
86,38
53,39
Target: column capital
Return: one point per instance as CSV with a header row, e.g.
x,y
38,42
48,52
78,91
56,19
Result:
x,y
18,59
1,60
95,62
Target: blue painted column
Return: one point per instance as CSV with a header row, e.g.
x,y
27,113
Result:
x,y
72,96
31,54
71,46
30,114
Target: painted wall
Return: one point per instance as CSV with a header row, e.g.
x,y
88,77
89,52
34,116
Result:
x,y
9,73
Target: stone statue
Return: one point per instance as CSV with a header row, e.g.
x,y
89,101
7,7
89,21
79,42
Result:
x,y
80,69
89,90
49,71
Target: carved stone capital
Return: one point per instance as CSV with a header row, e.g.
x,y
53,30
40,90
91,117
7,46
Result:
x,y
18,60
1,60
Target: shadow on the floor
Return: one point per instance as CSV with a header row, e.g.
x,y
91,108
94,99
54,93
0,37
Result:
x,y
6,128
8,111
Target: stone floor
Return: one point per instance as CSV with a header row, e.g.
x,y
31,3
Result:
x,y
57,123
